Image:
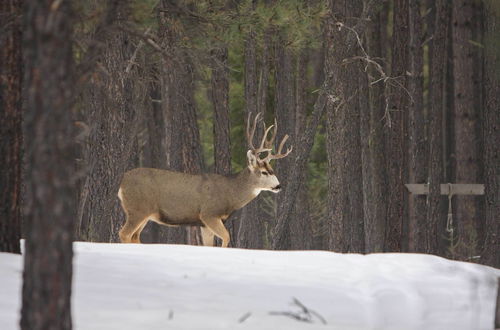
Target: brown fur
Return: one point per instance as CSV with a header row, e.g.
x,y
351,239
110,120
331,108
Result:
x,y
176,199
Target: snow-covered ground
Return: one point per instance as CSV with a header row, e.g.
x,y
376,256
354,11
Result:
x,y
135,287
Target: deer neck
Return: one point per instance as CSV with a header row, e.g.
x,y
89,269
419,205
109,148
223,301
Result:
x,y
246,190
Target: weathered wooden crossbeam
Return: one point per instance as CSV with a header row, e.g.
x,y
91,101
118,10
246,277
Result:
x,y
447,188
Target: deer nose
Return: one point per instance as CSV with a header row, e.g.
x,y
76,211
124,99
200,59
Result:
x,y
278,187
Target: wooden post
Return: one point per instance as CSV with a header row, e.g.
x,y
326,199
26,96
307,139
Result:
x,y
448,189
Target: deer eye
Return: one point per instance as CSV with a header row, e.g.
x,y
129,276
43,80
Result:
x,y
265,173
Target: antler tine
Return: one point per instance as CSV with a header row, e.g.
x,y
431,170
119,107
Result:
x,y
264,145
282,144
251,133
269,143
279,155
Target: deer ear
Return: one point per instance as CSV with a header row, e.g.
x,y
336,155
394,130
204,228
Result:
x,y
252,160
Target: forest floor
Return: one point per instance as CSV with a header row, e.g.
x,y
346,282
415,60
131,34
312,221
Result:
x,y
126,286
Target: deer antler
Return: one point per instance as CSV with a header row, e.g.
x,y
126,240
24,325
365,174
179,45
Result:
x,y
269,145
266,145
251,132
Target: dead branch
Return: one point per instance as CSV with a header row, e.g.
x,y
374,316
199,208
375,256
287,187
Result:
x,y
393,81
134,55
304,315
145,38
244,317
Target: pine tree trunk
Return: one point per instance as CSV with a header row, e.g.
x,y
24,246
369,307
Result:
x,y
157,150
466,127
173,124
396,130
301,155
353,163
191,145
433,231
302,150
490,254
46,302
417,158
285,116
113,122
172,105
300,223
222,123
10,126
345,195
264,215
251,226
264,73
366,161
375,211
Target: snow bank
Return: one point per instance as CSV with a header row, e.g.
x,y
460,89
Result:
x,y
122,286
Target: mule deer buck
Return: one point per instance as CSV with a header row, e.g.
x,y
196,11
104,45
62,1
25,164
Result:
x,y
176,199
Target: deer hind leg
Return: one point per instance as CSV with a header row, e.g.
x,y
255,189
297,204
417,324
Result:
x,y
216,226
136,236
132,226
207,237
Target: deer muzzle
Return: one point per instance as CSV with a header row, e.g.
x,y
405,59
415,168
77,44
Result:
x,y
276,189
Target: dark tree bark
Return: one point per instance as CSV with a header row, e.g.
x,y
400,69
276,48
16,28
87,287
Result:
x,y
264,73
301,155
50,160
345,196
490,254
317,58
10,125
222,122
156,148
112,118
366,161
336,201
375,179
300,223
466,126
191,146
254,215
251,226
396,130
385,39
170,76
353,164
432,232
448,110
417,157
306,138
285,117
478,79
156,128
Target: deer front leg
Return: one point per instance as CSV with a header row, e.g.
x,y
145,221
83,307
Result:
x,y
216,226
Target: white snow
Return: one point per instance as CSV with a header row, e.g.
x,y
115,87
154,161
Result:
x,y
134,287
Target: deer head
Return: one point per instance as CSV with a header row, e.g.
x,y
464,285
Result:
x,y
263,174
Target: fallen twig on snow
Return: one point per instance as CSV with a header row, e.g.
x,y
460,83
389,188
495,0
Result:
x,y
244,317
304,315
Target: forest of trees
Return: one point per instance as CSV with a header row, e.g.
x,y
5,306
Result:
x,y
375,94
